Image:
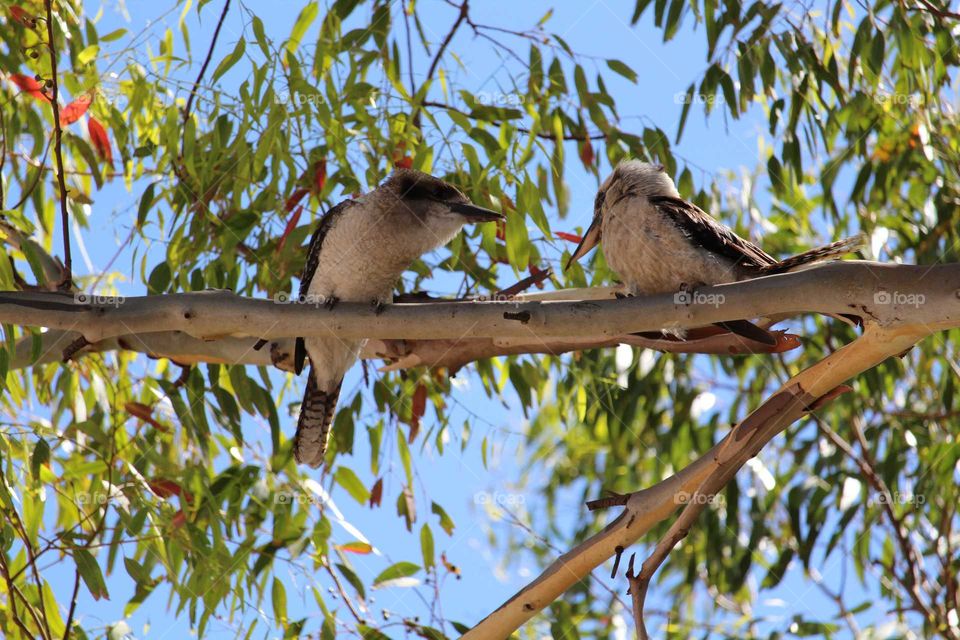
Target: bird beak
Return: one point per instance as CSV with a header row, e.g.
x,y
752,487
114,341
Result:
x,y
473,213
590,239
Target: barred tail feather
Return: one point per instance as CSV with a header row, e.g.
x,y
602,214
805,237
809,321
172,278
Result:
x,y
832,250
313,426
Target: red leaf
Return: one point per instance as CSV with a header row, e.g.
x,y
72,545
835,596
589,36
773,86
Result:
x,y
569,237
179,519
419,408
320,176
406,162
586,154
72,112
291,225
376,493
145,413
22,16
535,271
100,140
29,85
165,488
501,230
295,198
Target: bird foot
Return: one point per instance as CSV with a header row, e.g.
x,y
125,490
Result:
x,y
620,295
330,302
75,347
378,306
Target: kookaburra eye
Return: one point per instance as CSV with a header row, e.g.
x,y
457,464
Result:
x,y
598,201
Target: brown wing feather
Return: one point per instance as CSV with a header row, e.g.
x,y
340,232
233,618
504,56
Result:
x,y
709,234
310,268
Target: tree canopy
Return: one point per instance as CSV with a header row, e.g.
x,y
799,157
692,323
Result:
x,y
152,466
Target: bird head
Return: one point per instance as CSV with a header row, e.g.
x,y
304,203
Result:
x,y
427,212
630,178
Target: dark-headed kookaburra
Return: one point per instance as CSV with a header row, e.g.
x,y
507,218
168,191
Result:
x,y
358,252
659,243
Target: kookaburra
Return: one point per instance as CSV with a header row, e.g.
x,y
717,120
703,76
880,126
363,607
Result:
x,y
358,253
658,242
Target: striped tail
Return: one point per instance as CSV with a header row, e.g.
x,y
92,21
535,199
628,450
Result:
x,y
826,252
313,426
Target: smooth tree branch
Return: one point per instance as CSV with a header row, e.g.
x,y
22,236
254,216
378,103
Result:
x,y
449,355
703,478
870,290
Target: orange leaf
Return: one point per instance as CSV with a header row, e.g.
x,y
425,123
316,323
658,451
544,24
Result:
x,y
535,271
291,225
22,16
72,112
569,237
406,162
501,230
295,198
179,519
449,566
100,139
376,493
29,85
145,413
586,154
355,547
320,176
419,408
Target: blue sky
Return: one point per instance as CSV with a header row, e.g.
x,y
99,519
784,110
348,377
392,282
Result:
x,y
458,481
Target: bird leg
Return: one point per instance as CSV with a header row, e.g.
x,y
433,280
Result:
x,y
330,302
378,306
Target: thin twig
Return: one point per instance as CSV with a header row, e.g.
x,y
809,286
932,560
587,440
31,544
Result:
x,y
67,282
464,8
73,603
203,70
343,593
935,10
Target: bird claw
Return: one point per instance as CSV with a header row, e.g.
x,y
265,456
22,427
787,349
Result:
x,y
330,302
74,347
378,307
620,295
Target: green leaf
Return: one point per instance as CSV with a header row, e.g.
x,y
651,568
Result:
x,y
426,546
307,15
278,596
228,62
347,479
393,572
621,67
446,522
90,572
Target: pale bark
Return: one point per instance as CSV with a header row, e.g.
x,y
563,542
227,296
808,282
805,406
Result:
x,y
845,287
